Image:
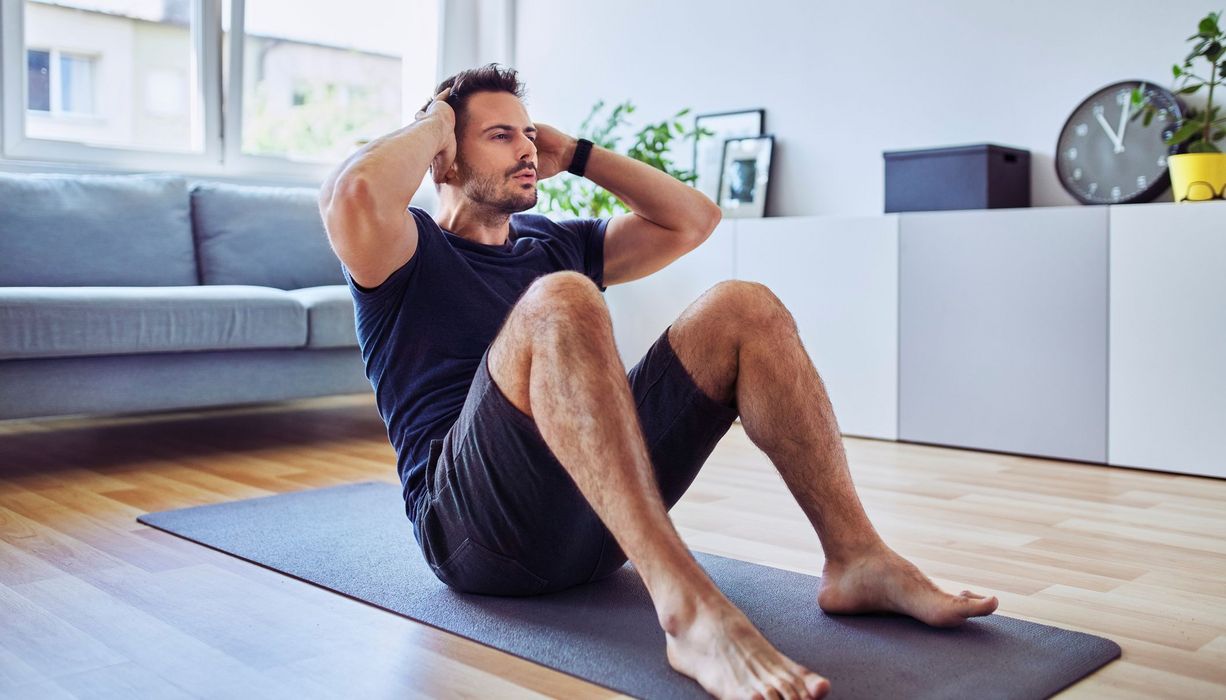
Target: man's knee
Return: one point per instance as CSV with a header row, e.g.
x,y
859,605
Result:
x,y
750,306
555,307
562,297
565,302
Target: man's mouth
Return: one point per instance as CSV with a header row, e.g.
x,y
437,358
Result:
x,y
526,176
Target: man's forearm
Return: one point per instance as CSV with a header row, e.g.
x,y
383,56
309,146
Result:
x,y
651,193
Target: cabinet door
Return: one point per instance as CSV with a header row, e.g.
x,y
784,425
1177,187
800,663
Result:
x,y
1003,330
839,278
642,309
1168,337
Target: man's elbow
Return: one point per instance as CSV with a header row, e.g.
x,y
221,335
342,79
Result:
x,y
711,216
327,191
347,199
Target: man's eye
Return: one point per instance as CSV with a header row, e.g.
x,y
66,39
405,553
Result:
x,y
498,136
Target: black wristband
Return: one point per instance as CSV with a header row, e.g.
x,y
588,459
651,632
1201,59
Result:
x,y
579,162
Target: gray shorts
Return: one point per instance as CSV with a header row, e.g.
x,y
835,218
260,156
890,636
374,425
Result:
x,y
503,517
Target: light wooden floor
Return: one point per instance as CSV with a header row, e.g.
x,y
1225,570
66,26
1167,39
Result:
x,y
93,603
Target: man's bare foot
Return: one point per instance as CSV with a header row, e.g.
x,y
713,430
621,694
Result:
x,y
885,582
715,644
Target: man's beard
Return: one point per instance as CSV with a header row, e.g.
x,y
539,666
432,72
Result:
x,y
493,191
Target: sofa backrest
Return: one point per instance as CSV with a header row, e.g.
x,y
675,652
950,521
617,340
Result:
x,y
268,236
95,230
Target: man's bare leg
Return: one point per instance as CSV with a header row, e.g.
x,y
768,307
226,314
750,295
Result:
x,y
741,346
555,359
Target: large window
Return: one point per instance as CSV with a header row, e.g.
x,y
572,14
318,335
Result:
x,y
162,83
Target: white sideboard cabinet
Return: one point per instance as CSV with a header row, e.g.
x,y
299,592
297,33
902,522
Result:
x,y
1168,337
1003,330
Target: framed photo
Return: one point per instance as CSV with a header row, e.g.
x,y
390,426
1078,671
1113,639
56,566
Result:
x,y
745,178
709,150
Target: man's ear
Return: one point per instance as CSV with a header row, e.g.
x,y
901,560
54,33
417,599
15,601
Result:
x,y
451,177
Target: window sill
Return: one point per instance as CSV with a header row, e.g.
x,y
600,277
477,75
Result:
x,y
40,116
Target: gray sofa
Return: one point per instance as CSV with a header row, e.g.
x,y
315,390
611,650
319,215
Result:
x,y
138,293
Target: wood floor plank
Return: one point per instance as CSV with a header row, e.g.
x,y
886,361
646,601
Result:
x,y
1196,624
168,648
1200,664
1151,534
14,672
1137,681
61,551
123,680
1033,574
47,643
1113,549
38,690
18,566
110,538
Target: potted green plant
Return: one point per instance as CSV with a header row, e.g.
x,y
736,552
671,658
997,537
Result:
x,y
1198,171
582,198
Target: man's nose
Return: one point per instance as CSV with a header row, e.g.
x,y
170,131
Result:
x,y
527,148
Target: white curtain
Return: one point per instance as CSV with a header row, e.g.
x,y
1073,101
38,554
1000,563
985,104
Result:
x,y
475,32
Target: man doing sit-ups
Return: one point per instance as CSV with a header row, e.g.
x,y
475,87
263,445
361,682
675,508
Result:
x,y
531,461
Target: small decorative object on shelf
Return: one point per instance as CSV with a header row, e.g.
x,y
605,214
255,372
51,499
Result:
x,y
709,151
976,176
745,179
1198,170
1101,158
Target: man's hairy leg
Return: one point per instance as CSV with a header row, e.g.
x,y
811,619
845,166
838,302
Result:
x,y
741,346
555,359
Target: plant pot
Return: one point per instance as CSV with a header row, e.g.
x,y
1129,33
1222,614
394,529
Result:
x,y
1196,177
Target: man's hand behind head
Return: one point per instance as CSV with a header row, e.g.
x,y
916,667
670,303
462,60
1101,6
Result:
x,y
439,111
554,151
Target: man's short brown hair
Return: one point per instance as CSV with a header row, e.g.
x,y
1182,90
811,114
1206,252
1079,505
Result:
x,y
488,78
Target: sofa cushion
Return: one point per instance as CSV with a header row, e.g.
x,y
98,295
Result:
x,y
67,321
78,230
330,317
269,236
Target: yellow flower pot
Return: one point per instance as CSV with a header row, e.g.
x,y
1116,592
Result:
x,y
1196,177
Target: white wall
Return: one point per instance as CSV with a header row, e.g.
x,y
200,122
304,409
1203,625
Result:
x,y
843,82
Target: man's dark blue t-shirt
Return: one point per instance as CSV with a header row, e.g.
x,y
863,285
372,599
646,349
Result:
x,y
424,330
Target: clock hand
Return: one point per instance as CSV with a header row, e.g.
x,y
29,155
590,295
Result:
x,y
1119,145
1109,130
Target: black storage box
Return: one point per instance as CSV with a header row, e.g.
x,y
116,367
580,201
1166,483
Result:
x,y
979,176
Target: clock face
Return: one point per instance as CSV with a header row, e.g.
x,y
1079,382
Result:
x,y
1106,157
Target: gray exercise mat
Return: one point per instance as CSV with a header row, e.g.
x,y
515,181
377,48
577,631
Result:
x,y
355,540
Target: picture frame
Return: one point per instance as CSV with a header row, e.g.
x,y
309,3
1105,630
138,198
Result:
x,y
744,182
709,151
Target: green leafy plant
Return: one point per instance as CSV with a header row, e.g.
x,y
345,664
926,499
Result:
x,y
580,197
1200,128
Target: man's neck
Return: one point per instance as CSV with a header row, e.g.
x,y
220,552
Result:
x,y
474,222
